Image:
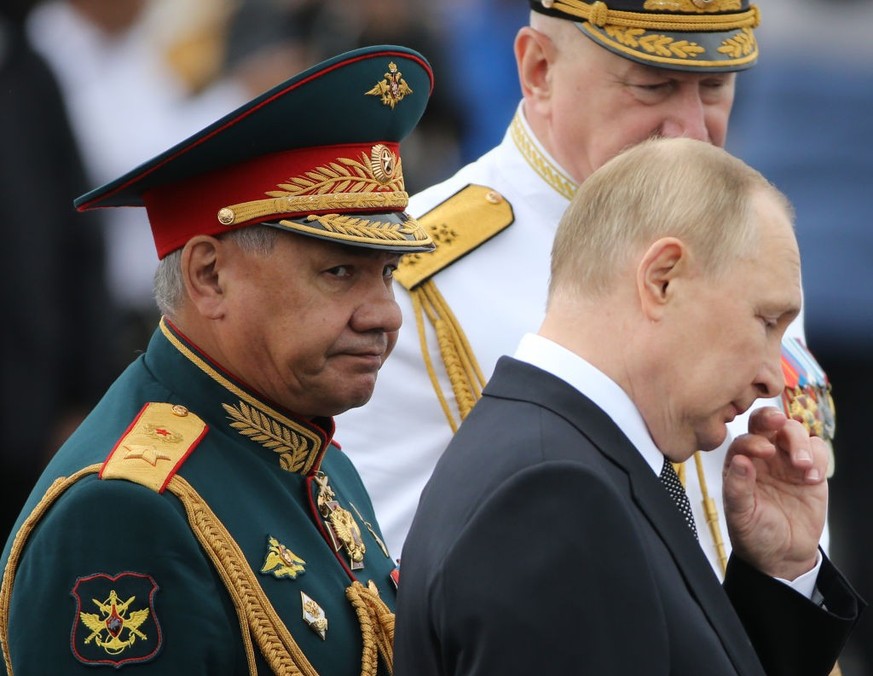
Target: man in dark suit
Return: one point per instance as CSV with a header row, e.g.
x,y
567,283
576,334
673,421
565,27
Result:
x,y
545,542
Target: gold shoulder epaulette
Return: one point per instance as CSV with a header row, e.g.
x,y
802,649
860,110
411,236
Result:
x,y
470,217
155,445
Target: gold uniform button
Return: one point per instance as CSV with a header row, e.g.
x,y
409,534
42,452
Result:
x,y
226,216
493,197
180,410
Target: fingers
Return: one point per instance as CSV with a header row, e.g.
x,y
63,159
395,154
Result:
x,y
738,487
767,421
820,456
770,431
807,454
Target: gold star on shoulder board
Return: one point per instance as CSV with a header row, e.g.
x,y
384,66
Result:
x,y
148,453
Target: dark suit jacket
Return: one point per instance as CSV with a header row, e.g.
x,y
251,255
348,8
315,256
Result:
x,y
544,543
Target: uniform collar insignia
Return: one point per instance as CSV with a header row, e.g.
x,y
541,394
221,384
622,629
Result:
x,y
537,158
298,444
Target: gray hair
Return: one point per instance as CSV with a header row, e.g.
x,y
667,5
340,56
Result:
x,y
679,188
170,288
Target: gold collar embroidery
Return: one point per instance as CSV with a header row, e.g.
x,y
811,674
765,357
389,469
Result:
x,y
299,447
550,172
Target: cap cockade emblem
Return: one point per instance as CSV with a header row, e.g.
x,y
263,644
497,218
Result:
x,y
383,162
393,88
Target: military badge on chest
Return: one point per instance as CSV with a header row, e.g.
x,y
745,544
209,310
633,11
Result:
x,y
281,562
341,525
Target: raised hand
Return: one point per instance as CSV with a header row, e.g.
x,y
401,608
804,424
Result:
x,y
775,494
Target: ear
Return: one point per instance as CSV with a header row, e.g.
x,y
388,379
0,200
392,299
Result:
x,y
534,55
202,275
661,267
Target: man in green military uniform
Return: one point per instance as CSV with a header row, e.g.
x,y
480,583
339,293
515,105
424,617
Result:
x,y
202,520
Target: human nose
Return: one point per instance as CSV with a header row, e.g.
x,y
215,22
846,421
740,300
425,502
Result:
x,y
377,311
686,117
771,379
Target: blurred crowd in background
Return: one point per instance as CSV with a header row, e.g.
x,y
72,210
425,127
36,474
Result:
x,y
91,88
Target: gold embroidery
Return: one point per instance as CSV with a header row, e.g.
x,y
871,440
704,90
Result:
x,y
158,434
663,49
345,175
549,172
148,453
467,219
662,45
294,450
693,5
739,45
393,88
312,440
161,432
373,181
114,620
354,227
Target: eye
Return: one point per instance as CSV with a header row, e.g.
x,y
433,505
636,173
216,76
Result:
x,y
769,322
652,86
715,91
652,92
714,84
388,270
340,271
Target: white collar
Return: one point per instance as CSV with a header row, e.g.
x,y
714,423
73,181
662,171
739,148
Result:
x,y
597,386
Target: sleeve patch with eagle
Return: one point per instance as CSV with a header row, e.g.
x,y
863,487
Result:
x,y
115,623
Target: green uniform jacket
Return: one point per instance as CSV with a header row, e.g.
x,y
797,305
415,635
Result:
x,y
179,531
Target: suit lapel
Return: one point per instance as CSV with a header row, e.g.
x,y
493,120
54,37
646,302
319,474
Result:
x,y
517,380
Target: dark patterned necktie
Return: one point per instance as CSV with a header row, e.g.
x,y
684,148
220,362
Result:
x,y
677,493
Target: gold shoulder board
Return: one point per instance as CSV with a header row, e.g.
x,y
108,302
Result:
x,y
470,217
155,445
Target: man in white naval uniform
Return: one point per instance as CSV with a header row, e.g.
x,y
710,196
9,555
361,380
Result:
x,y
592,84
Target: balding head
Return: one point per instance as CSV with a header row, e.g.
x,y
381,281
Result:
x,y
660,188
